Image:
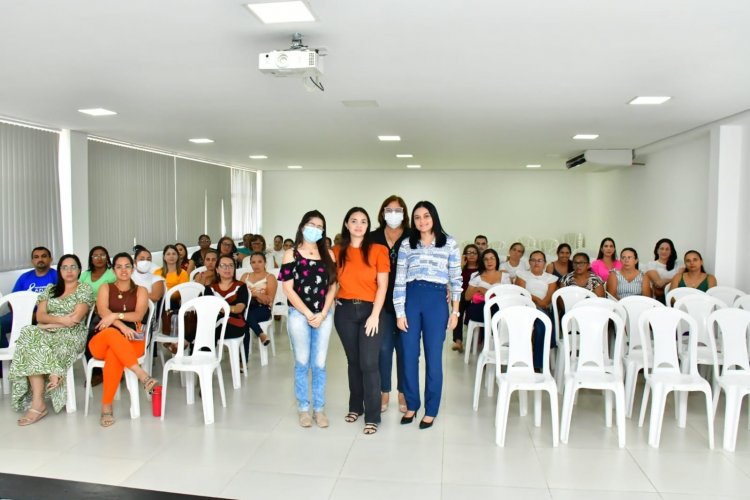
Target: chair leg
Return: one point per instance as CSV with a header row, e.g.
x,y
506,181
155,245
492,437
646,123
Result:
x,y
244,360
658,400
644,404
131,382
710,418
489,379
732,408
467,348
87,395
70,385
555,416
631,375
164,394
189,386
523,404
501,414
567,410
234,363
223,395
478,383
6,378
559,367
263,350
207,396
620,414
538,408
271,336
608,408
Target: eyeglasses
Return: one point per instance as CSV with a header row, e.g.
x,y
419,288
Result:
x,y
471,253
536,261
71,267
226,266
580,263
122,267
393,210
98,256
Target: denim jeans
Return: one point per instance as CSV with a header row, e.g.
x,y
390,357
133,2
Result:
x,y
310,348
391,340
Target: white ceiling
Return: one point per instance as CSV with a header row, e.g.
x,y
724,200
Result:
x,y
475,84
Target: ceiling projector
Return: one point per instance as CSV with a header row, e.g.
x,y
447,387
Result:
x,y
297,60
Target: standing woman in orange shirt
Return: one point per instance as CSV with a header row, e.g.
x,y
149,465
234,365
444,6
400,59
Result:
x,y
363,268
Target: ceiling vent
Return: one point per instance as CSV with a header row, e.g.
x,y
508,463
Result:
x,y
603,158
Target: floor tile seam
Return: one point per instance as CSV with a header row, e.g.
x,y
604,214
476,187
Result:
x,y
539,460
643,471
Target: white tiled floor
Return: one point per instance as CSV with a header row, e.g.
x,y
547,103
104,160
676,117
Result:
x,y
256,449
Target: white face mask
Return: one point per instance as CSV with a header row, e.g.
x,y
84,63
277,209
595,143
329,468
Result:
x,y
394,219
143,266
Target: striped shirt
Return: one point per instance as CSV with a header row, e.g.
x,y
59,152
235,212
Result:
x,y
627,288
427,263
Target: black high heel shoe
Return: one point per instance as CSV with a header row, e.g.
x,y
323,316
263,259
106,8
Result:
x,y
407,420
426,425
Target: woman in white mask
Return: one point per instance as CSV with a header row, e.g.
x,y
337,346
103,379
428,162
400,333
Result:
x,y
308,275
143,275
394,227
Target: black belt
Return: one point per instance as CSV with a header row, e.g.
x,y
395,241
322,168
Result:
x,y
354,301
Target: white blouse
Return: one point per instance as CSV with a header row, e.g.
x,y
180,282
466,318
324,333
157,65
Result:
x,y
477,281
523,265
537,285
661,269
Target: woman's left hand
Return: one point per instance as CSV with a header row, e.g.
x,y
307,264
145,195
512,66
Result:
x,y
106,321
371,325
452,321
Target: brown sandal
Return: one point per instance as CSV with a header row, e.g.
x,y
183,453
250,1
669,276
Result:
x,y
34,418
107,419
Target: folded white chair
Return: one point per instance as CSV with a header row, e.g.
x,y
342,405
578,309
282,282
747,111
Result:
x,y
206,354
665,375
23,304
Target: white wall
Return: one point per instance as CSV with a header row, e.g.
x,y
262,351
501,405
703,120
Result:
x,y
501,204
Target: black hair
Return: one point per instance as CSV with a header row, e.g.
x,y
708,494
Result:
x,y
570,250
41,248
258,237
325,256
437,227
476,249
125,255
601,254
139,249
91,260
222,240
261,254
203,236
59,287
582,254
346,238
187,255
523,248
696,252
481,267
289,240
280,237
481,236
544,256
672,259
630,249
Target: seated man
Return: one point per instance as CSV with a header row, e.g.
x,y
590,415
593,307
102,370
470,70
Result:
x,y
480,241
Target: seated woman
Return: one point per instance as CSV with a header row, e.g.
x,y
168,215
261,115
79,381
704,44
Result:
x,y
487,276
514,264
583,276
144,276
122,306
99,270
183,259
196,260
665,266
695,275
628,280
235,293
49,348
171,271
606,261
245,249
208,276
562,265
261,286
288,244
541,285
469,266
226,246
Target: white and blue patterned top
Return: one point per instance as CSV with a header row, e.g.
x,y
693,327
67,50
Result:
x,y
435,265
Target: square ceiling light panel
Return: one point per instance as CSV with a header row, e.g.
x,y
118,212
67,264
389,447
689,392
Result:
x,y
296,11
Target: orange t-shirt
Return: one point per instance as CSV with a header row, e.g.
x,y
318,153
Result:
x,y
358,280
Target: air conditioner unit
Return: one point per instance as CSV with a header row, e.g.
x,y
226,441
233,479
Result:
x,y
291,63
603,158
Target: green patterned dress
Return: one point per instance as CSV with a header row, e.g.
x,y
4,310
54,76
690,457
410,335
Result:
x,y
43,352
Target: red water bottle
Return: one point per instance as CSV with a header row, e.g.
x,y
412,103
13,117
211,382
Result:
x,y
156,401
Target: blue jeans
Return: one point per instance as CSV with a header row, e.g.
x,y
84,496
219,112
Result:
x,y
310,348
391,340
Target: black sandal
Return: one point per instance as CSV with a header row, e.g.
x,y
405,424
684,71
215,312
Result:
x,y
352,417
370,429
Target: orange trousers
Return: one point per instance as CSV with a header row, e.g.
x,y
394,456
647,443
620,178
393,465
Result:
x,y
117,353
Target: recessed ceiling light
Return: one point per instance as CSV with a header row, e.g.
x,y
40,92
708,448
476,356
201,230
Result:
x,y
405,156
389,137
97,112
258,157
585,137
282,12
294,167
650,99
533,166
414,166
202,140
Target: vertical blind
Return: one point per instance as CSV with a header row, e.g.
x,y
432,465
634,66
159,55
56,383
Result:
x,y
29,194
202,188
131,198
243,202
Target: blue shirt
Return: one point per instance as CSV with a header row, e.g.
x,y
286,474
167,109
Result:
x,y
427,263
29,281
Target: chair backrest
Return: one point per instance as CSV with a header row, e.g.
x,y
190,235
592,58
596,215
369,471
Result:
x,y
506,290
187,291
663,323
700,307
570,296
726,294
501,302
207,310
742,302
635,305
196,272
519,321
592,325
604,303
731,326
23,304
678,293
149,323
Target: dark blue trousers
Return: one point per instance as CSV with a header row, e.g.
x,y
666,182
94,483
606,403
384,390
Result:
x,y
391,340
427,317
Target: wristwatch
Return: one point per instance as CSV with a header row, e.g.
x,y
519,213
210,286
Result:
x,y
121,316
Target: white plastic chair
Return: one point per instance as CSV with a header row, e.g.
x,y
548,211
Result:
x,y
520,375
206,355
131,381
678,293
187,291
496,353
569,295
665,375
23,304
472,339
595,369
528,242
700,308
633,359
742,302
731,326
195,272
70,405
726,294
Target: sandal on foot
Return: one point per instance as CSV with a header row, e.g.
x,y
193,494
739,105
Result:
x,y
402,404
370,429
107,419
148,384
266,341
352,417
35,417
52,385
